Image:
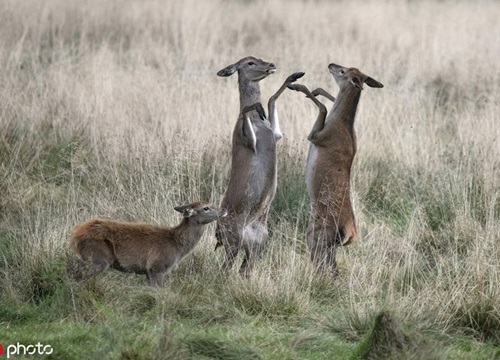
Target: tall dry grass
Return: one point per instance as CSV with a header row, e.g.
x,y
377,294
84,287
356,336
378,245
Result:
x,y
114,109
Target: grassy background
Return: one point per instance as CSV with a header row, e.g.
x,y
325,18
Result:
x,y
113,109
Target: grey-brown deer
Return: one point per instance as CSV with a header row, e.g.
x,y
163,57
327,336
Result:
x,y
329,161
142,248
253,177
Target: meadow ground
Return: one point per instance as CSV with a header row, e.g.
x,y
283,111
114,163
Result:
x,y
114,109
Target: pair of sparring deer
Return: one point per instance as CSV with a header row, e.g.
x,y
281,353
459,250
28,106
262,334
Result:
x,y
242,220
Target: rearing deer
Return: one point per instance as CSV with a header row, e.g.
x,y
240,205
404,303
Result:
x,y
329,161
253,178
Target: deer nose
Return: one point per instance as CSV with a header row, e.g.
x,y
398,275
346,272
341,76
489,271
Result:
x,y
272,65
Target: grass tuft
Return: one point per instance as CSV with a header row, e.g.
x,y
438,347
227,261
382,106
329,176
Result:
x,y
480,317
214,348
386,340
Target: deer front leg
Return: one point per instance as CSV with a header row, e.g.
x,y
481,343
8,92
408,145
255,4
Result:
x,y
231,254
229,234
323,92
273,112
319,124
155,278
247,128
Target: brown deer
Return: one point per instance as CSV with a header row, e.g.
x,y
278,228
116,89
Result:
x,y
328,174
141,248
253,177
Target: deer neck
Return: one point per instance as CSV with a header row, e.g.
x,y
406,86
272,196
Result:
x,y
188,233
249,92
346,104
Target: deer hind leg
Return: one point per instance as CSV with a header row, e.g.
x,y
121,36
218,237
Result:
x,y
229,236
252,254
322,248
77,269
319,124
231,253
273,111
101,261
97,267
254,238
323,257
99,253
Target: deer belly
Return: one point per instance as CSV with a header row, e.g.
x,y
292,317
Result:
x,y
262,180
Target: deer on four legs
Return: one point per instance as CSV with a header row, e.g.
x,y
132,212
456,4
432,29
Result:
x,y
140,248
253,177
328,172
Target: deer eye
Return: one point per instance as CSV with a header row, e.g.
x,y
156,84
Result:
x,y
341,71
251,63
206,208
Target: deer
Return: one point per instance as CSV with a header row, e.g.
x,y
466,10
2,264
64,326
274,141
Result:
x,y
253,175
140,248
328,169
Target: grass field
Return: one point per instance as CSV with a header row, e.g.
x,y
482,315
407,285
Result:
x,y
114,109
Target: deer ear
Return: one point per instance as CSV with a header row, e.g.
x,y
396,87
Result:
x,y
371,82
228,70
186,210
356,82
180,208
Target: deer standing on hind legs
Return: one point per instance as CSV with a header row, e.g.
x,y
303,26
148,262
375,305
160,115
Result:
x,y
253,178
329,161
